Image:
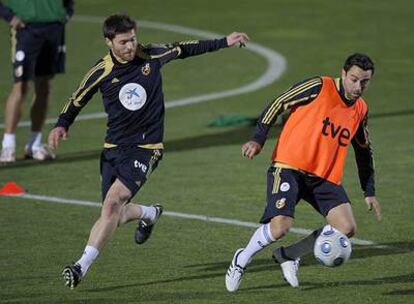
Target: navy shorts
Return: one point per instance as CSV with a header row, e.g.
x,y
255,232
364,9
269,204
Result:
x,y
131,165
286,187
38,49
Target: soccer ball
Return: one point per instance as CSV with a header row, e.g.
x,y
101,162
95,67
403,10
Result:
x,y
332,248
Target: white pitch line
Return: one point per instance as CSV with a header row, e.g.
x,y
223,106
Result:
x,y
204,218
276,65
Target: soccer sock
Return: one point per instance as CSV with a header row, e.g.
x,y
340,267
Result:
x,y
298,249
148,213
88,257
260,239
34,140
9,140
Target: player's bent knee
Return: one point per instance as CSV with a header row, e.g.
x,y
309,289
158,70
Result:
x,y
110,208
279,232
349,229
117,197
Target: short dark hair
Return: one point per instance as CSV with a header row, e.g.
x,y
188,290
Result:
x,y
118,24
360,60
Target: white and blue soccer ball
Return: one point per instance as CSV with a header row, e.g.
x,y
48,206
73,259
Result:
x,y
332,248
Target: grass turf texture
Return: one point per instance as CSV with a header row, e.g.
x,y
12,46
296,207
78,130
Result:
x,y
202,171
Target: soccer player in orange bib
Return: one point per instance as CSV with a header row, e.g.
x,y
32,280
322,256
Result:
x,y
326,115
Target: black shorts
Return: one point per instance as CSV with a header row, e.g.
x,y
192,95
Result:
x,y
38,49
286,187
131,165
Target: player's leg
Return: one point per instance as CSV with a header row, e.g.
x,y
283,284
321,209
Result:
x,y
25,47
137,166
339,217
50,60
13,113
101,232
265,235
297,250
72,274
14,106
147,216
330,201
122,177
40,102
133,212
117,196
34,148
342,218
282,194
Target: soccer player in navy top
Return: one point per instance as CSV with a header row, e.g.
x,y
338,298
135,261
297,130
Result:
x,y
129,79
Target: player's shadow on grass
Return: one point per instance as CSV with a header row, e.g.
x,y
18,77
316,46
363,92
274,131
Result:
x,y
310,286
406,278
230,137
358,252
162,281
217,270
156,294
391,114
400,292
233,136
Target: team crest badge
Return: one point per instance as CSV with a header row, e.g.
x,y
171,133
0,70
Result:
x,y
18,72
284,187
146,69
281,203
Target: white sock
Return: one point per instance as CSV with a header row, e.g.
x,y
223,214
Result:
x,y
148,213
34,140
259,240
9,140
88,257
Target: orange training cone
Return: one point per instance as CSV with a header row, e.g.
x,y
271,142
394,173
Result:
x,y
11,188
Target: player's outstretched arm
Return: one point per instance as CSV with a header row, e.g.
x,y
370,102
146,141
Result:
x,y
237,38
185,49
251,149
55,136
373,203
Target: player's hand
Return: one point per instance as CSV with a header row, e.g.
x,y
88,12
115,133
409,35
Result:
x,y
372,203
16,23
250,149
55,135
237,38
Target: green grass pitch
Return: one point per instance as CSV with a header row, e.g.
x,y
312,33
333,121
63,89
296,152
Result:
x,y
202,171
